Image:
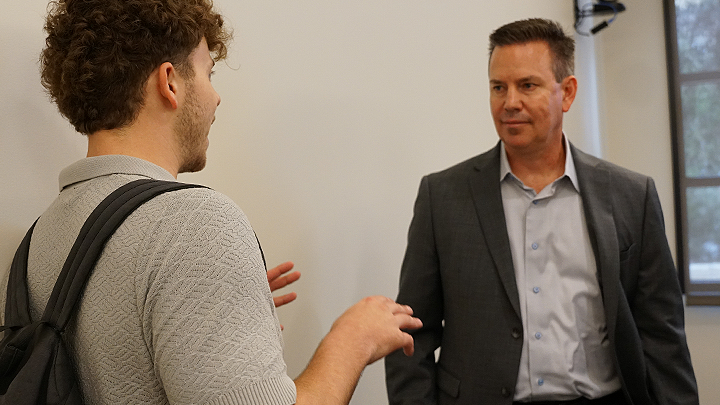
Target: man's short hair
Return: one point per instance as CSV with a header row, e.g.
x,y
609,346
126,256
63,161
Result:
x,y
100,53
562,47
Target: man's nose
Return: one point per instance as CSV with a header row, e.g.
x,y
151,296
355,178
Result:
x,y
513,100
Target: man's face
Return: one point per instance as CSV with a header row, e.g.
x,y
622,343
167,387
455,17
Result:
x,y
197,112
526,102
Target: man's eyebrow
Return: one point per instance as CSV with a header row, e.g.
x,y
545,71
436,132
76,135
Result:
x,y
531,78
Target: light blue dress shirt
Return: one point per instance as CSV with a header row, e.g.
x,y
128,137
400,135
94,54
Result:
x,y
566,352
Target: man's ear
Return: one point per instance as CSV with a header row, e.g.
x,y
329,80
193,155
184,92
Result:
x,y
569,88
168,84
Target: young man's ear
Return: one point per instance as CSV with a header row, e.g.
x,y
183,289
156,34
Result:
x,y
168,84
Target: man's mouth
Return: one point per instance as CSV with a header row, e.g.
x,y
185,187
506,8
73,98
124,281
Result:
x,y
514,122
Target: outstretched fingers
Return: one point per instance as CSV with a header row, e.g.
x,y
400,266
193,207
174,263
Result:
x,y
284,299
277,280
380,324
274,276
405,321
409,344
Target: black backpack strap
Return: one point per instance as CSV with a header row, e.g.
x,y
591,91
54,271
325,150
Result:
x,y
17,303
101,224
96,231
262,254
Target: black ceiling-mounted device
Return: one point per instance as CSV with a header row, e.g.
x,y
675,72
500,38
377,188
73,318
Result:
x,y
597,8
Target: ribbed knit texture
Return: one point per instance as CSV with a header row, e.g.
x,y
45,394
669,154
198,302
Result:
x,y
178,309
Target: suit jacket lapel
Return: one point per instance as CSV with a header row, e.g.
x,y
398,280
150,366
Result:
x,y
595,193
485,187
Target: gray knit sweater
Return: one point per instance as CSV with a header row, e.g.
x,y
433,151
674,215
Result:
x,y
178,309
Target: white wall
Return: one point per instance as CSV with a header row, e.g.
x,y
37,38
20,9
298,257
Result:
x,y
35,142
331,113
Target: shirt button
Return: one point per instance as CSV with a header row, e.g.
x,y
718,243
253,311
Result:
x,y
534,246
541,381
536,290
538,335
535,202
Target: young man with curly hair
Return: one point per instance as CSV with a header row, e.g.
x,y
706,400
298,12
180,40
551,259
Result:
x,y
178,308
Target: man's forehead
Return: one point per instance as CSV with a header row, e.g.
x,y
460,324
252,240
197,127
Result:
x,y
517,58
201,54
530,47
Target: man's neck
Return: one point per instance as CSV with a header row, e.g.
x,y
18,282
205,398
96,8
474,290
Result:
x,y
152,146
538,169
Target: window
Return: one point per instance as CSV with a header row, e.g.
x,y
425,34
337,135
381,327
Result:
x,y
693,44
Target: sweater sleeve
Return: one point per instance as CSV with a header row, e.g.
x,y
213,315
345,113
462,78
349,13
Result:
x,y
205,305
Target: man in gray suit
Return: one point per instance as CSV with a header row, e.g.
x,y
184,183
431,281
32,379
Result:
x,y
543,274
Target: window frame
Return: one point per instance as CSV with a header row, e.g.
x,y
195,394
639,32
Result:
x,y
696,293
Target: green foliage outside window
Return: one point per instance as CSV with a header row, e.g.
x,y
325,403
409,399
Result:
x,y
701,127
698,35
698,44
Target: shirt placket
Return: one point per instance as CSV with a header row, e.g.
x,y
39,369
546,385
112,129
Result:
x,y
536,256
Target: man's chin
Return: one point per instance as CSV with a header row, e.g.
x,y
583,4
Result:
x,y
193,166
514,130
513,136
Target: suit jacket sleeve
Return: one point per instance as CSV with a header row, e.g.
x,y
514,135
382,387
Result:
x,y
412,380
657,308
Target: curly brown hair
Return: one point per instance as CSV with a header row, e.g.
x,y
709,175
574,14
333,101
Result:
x,y
100,53
561,45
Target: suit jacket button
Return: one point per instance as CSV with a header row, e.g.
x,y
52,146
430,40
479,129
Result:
x,y
516,333
505,392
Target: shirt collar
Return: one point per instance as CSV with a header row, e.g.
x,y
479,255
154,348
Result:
x,y
569,165
88,168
